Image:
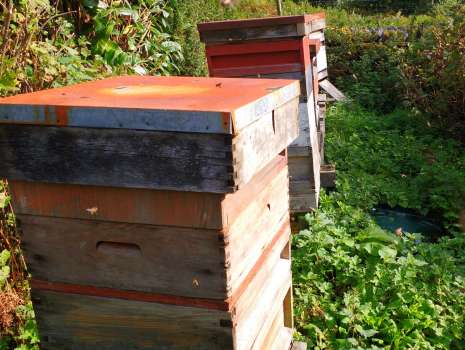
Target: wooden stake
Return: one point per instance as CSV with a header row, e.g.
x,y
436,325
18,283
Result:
x,y
279,5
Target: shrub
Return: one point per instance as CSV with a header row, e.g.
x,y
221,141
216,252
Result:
x,y
434,70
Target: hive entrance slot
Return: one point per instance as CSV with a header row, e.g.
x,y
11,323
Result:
x,y
119,248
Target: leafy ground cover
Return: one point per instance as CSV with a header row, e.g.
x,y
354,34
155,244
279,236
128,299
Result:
x,y
359,287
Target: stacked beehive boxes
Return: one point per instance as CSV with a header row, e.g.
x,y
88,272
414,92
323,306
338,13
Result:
x,y
154,211
280,47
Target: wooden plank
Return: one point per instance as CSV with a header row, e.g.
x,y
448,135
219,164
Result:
x,y
283,341
251,58
182,104
117,157
260,29
259,277
257,145
332,90
164,208
153,207
248,241
247,330
301,169
301,76
269,332
297,187
328,175
78,322
304,203
195,162
153,259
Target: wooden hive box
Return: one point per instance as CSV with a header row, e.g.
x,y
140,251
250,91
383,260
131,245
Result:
x,y
119,258
280,47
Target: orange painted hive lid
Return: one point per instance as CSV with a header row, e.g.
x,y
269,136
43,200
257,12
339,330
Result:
x,y
185,104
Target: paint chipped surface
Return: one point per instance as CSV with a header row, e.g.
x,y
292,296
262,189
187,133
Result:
x,y
180,104
168,93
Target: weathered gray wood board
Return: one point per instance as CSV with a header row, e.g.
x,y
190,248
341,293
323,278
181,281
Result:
x,y
322,62
142,159
304,161
78,322
332,90
154,259
260,29
328,175
304,203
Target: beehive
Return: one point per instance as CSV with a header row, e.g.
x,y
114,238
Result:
x,y
154,211
279,47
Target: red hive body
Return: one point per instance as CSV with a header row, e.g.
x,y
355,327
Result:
x,y
289,47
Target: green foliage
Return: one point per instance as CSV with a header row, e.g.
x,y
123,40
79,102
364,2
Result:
x,y
434,67
395,159
359,287
4,268
43,47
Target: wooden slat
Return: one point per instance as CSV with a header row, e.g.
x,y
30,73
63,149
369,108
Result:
x,y
261,29
78,322
251,58
283,341
269,333
154,259
153,207
248,241
332,90
273,294
257,145
120,158
304,203
141,159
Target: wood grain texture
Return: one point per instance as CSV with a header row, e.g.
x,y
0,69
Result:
x,y
257,145
260,29
252,58
273,294
189,262
303,203
283,341
269,332
77,322
120,158
138,159
154,259
153,207
333,91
